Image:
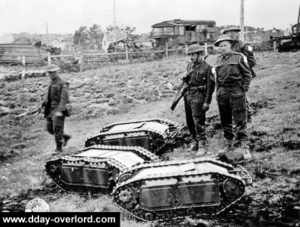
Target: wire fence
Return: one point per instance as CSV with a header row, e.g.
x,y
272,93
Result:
x,y
84,61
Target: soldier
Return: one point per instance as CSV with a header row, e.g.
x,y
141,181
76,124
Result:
x,y
55,107
233,80
201,85
240,47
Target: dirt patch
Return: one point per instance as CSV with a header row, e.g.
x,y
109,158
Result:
x,y
262,104
17,203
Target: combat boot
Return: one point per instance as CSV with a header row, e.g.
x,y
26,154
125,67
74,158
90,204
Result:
x,y
66,139
58,149
228,147
194,145
202,148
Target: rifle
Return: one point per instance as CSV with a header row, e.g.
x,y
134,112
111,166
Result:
x,y
33,112
180,93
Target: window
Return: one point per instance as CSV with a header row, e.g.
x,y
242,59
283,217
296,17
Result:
x,y
168,30
200,27
190,27
157,31
181,30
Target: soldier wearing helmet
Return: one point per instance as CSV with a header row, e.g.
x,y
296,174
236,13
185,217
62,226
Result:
x,y
201,81
240,47
233,78
55,103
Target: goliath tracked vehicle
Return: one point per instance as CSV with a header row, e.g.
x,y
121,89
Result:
x,y
96,167
173,190
154,135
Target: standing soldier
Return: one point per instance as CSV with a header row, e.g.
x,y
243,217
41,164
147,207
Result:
x,y
55,107
240,47
201,85
233,80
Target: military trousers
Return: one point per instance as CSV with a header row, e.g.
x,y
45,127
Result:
x,y
55,126
249,110
195,116
232,108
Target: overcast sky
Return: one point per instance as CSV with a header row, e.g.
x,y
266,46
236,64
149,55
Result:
x,y
65,16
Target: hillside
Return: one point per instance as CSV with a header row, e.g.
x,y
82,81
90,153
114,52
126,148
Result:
x,y
144,90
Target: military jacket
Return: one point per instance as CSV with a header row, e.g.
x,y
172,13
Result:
x,y
240,47
201,78
232,70
57,97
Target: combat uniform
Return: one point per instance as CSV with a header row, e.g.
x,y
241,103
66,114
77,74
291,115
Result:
x,y
56,100
233,80
240,47
201,81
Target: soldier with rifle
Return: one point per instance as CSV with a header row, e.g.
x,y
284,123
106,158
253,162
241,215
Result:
x,y
197,89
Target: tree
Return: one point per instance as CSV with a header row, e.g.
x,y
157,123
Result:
x,y
96,36
81,37
89,38
127,29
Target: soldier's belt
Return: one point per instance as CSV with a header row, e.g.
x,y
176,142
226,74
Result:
x,y
229,85
196,88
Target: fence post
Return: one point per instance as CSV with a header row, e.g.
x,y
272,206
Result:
x,y
81,62
205,49
167,48
126,51
274,46
49,58
24,68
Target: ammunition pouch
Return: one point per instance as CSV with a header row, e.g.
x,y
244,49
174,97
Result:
x,y
68,110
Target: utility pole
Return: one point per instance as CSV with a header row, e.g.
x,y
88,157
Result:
x,y
114,14
242,21
114,19
298,22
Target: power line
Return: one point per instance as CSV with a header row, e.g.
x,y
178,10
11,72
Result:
x,y
114,14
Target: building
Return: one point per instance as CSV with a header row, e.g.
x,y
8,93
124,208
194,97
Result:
x,y
112,37
181,32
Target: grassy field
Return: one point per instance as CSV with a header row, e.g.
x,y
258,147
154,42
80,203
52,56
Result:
x,y
145,90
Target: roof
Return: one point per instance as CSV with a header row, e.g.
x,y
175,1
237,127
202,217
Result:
x,y
177,22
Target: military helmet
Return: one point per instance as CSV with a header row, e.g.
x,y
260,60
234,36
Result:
x,y
194,48
223,38
231,29
52,68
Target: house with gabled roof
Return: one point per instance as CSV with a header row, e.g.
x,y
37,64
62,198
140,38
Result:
x,y
181,32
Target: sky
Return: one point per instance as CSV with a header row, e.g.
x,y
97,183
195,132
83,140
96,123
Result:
x,y
66,16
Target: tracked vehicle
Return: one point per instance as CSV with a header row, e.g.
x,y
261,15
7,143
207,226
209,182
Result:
x,y
154,135
95,168
172,190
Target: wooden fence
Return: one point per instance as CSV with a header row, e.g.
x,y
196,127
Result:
x,y
79,61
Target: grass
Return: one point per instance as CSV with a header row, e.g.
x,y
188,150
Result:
x,y
277,85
